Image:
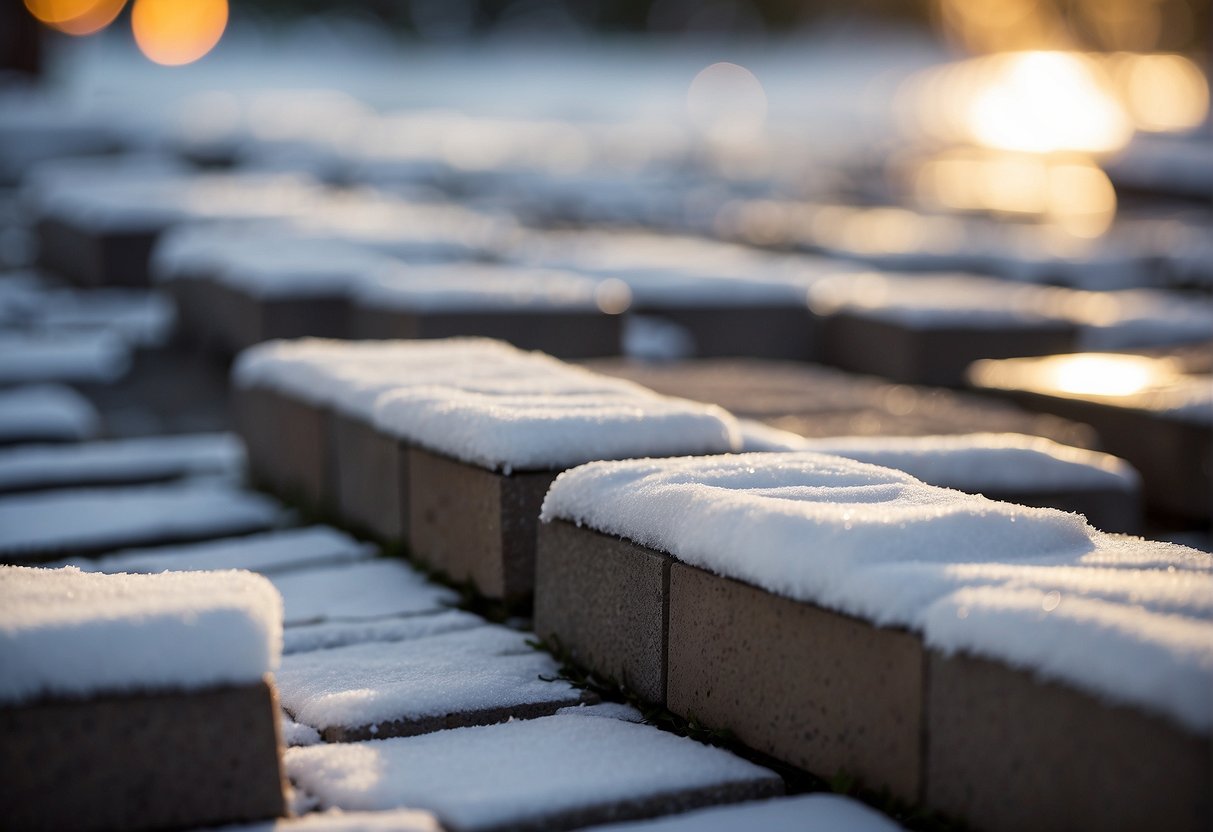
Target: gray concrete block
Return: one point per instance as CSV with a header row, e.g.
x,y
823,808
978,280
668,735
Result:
x,y
142,761
777,331
562,333
605,600
814,688
473,524
369,477
937,355
1008,752
290,445
90,257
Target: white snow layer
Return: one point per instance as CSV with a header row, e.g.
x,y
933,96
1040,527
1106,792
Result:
x,y
806,813
64,632
359,591
325,635
125,460
296,734
486,403
1123,619
267,552
334,820
99,518
483,668
976,462
48,412
516,772
96,357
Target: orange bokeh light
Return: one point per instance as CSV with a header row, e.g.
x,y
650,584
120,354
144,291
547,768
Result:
x,y
176,32
75,17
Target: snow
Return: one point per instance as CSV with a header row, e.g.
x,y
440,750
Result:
x,y
482,287
296,734
925,301
478,669
100,518
98,357
516,772
126,460
510,431
806,813
878,544
138,318
977,462
64,632
1139,318
334,820
268,552
46,412
359,591
326,635
604,710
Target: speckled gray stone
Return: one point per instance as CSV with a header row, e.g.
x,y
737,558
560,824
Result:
x,y
605,601
89,257
475,525
143,761
816,689
369,478
290,445
1007,752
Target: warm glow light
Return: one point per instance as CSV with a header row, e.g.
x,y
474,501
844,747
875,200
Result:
x,y
1044,102
727,101
175,32
75,17
1107,375
1162,92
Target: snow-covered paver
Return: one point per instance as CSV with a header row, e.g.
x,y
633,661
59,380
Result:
x,y
975,462
47,413
604,710
1036,588
557,771
145,459
302,638
266,552
485,674
94,520
479,287
137,317
806,813
358,592
486,403
72,633
94,357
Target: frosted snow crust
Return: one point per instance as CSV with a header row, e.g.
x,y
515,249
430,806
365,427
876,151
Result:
x,y
1124,619
365,684
64,632
523,770
46,411
979,461
326,635
358,592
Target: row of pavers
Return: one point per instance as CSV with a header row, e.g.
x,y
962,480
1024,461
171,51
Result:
x,y
252,257
139,701
946,636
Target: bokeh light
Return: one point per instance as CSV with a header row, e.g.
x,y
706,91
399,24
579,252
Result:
x,y
727,101
1161,92
176,32
75,17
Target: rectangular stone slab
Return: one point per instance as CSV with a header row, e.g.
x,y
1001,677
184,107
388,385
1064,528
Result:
x,y
775,332
564,334
1008,752
1174,458
605,601
369,477
290,445
243,319
819,690
142,761
936,355
475,525
96,258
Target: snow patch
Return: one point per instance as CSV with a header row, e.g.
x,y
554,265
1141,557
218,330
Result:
x,y
46,412
359,591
